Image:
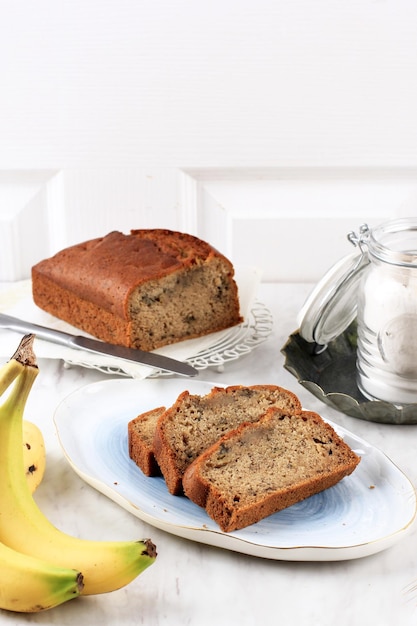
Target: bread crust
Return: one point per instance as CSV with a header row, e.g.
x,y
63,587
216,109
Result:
x,y
164,452
229,510
140,441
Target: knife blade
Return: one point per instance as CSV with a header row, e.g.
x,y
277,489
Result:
x,y
79,342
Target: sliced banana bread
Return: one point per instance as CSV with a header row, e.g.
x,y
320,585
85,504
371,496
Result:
x,y
263,467
141,431
195,422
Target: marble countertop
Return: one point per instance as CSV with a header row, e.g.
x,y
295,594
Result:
x,y
191,583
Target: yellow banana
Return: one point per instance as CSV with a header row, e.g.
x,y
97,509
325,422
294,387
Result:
x,y
105,565
9,371
29,585
33,443
34,456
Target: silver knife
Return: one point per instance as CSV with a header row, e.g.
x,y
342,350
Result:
x,y
94,345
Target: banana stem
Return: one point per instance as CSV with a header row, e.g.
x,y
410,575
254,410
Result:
x,y
25,353
16,400
24,356
8,373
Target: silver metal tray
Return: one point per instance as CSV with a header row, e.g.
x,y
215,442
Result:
x,y
330,375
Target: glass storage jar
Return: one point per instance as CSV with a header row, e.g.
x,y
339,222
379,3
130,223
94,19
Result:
x,y
378,285
387,313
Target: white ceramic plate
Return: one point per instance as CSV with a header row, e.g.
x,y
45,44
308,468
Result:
x,y
363,514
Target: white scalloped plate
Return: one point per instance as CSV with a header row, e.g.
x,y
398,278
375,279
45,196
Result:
x,y
365,513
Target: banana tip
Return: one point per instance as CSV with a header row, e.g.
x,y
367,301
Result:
x,y
150,549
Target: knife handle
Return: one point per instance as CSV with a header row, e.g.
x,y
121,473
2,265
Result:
x,y
56,336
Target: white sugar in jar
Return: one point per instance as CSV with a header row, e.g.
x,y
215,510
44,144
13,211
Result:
x,y
387,314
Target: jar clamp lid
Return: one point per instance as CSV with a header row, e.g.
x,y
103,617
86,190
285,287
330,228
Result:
x,y
332,304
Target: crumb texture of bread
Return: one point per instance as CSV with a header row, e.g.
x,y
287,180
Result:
x,y
141,432
261,468
193,423
144,290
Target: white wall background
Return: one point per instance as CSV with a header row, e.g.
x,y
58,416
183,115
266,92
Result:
x,y
271,128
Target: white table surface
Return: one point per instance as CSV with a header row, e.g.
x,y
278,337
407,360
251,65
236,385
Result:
x,y
195,584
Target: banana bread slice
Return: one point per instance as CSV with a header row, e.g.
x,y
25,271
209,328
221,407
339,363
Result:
x,y
141,432
194,422
263,467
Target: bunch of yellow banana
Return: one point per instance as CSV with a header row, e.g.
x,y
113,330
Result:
x,y
41,566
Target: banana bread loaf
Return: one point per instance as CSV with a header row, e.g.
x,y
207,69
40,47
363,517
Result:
x,y
143,290
193,423
141,431
263,467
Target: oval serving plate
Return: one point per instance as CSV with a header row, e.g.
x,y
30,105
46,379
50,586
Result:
x,y
365,513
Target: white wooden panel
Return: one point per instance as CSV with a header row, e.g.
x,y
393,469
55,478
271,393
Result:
x,y
225,83
293,224
290,223
24,223
43,212
171,114
100,200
